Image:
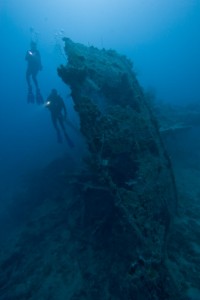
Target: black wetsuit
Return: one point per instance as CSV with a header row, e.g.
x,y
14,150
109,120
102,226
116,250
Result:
x,y
34,66
56,106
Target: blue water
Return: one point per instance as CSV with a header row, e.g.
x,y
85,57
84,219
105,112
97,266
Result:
x,y
162,40
160,37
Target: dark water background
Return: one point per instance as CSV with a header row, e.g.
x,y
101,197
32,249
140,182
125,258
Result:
x,y
162,39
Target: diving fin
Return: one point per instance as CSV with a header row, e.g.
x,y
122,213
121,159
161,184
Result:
x,y
39,98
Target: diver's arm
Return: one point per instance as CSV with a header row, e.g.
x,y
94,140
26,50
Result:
x,y
28,55
48,103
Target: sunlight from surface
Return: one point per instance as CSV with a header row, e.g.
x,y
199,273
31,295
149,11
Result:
x,y
91,21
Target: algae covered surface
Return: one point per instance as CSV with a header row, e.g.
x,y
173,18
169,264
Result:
x,y
116,225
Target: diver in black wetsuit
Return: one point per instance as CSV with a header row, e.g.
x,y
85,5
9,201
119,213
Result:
x,y
58,110
34,65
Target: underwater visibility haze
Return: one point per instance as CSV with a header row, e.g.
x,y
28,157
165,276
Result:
x,y
162,40
124,179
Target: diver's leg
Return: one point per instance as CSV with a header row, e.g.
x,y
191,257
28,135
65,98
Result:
x,y
28,79
69,141
39,98
30,96
54,121
34,77
60,120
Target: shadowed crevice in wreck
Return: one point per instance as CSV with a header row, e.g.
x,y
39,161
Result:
x,y
101,233
126,157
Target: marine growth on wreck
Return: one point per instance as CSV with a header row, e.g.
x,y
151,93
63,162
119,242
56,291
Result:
x,y
130,175
99,231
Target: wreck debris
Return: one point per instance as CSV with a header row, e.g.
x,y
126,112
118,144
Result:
x,y
126,155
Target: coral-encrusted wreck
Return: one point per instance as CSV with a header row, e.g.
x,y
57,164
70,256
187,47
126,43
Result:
x,y
130,195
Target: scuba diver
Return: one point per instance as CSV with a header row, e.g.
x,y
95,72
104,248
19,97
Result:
x,y
58,111
34,65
